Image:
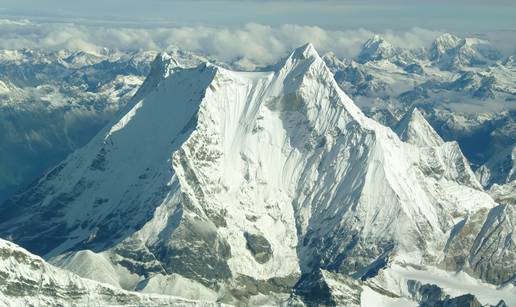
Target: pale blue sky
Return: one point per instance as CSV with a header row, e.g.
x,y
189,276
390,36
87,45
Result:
x,y
457,16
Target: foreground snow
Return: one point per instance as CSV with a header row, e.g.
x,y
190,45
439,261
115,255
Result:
x,y
371,298
395,278
27,280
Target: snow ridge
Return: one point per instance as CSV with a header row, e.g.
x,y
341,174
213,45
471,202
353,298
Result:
x,y
414,129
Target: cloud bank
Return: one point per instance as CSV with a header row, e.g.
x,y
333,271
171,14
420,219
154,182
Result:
x,y
261,44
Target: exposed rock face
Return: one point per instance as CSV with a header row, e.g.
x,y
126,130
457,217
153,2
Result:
x,y
324,288
484,245
426,295
259,247
429,295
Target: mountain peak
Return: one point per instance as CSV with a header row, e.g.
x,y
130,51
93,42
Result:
x,y
302,57
164,63
377,38
452,52
447,39
414,128
376,48
416,113
304,52
162,67
443,44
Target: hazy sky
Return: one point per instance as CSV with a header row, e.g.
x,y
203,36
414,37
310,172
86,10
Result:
x,y
452,15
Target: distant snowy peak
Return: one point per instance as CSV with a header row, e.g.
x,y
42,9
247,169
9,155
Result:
x,y
443,44
82,58
414,129
67,58
375,49
448,52
452,52
334,63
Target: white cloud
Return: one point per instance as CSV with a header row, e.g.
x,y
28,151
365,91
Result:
x,y
8,22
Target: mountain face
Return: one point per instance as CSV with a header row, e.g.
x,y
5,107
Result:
x,y
52,103
482,244
245,188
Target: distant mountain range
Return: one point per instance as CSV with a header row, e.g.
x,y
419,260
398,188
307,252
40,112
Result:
x,y
464,87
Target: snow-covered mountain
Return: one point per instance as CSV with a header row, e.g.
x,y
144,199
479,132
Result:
x,y
258,188
377,48
29,281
